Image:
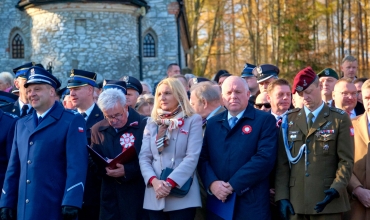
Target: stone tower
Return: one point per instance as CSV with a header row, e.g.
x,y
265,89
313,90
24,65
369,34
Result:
x,y
111,37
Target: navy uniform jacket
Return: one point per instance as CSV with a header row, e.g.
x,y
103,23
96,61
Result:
x,y
47,166
93,183
123,197
7,122
244,159
14,108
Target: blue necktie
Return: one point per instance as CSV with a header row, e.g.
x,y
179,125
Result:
x,y
232,121
39,120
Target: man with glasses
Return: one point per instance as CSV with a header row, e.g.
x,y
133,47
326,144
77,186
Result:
x,y
262,102
122,193
345,97
81,85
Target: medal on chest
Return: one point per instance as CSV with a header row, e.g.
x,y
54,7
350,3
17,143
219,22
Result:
x,y
127,140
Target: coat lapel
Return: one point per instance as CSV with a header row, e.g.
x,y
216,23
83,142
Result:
x,y
54,115
93,117
364,133
302,121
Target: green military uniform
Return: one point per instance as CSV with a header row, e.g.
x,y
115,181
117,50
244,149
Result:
x,y
328,164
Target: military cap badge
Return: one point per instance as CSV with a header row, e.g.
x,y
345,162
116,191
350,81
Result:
x,y
327,72
72,73
259,70
195,80
125,78
304,83
299,88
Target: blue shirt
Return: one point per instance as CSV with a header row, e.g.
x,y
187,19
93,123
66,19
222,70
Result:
x,y
315,112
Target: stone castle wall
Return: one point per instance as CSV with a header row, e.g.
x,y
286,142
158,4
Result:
x,y
100,37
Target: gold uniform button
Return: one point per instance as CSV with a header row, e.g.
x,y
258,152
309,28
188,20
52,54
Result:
x,y
29,161
27,201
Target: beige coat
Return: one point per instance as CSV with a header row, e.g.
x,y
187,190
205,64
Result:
x,y
361,166
188,143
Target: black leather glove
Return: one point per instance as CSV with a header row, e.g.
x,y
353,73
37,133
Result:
x,y
7,214
330,195
285,207
69,212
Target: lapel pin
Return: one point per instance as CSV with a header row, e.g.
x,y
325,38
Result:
x,y
326,147
247,129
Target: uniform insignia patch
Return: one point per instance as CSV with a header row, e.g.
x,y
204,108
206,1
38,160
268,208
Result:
x,y
326,147
304,83
299,88
80,129
327,72
125,78
259,70
247,129
183,131
11,115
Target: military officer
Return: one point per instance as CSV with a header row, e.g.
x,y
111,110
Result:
x,y
315,156
247,75
81,86
47,167
327,77
265,73
7,122
21,107
134,89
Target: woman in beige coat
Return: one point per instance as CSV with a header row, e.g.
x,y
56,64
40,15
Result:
x,y
172,139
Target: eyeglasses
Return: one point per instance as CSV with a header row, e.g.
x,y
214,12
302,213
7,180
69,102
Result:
x,y
117,116
259,106
348,94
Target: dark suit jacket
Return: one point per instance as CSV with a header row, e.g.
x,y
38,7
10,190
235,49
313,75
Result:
x,y
359,109
244,159
13,108
118,194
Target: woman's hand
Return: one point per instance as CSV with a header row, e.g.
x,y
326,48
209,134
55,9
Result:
x,y
161,188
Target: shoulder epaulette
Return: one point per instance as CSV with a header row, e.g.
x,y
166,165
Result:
x,y
340,111
293,110
11,115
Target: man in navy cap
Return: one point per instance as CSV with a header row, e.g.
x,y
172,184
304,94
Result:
x,y
315,156
81,86
265,73
47,167
21,107
327,77
251,81
134,89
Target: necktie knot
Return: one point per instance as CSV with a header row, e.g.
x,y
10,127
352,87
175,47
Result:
x,y
84,114
232,121
39,120
24,110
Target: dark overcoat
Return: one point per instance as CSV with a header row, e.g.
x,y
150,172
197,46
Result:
x,y
121,198
7,123
242,156
47,166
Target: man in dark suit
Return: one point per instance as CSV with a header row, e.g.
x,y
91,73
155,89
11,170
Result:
x,y
47,167
239,150
81,85
123,188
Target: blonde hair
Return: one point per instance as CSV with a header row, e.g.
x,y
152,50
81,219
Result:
x,y
366,85
178,92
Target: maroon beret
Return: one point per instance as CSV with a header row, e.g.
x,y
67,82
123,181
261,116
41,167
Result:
x,y
303,79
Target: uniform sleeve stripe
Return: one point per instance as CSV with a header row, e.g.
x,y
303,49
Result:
x,y
80,183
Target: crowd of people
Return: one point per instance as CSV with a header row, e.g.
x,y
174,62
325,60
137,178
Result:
x,y
238,146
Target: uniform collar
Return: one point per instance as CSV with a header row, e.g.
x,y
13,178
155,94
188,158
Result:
x,y
315,112
88,111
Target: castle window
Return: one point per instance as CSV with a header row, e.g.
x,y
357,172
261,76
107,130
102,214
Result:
x,y
17,47
149,46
